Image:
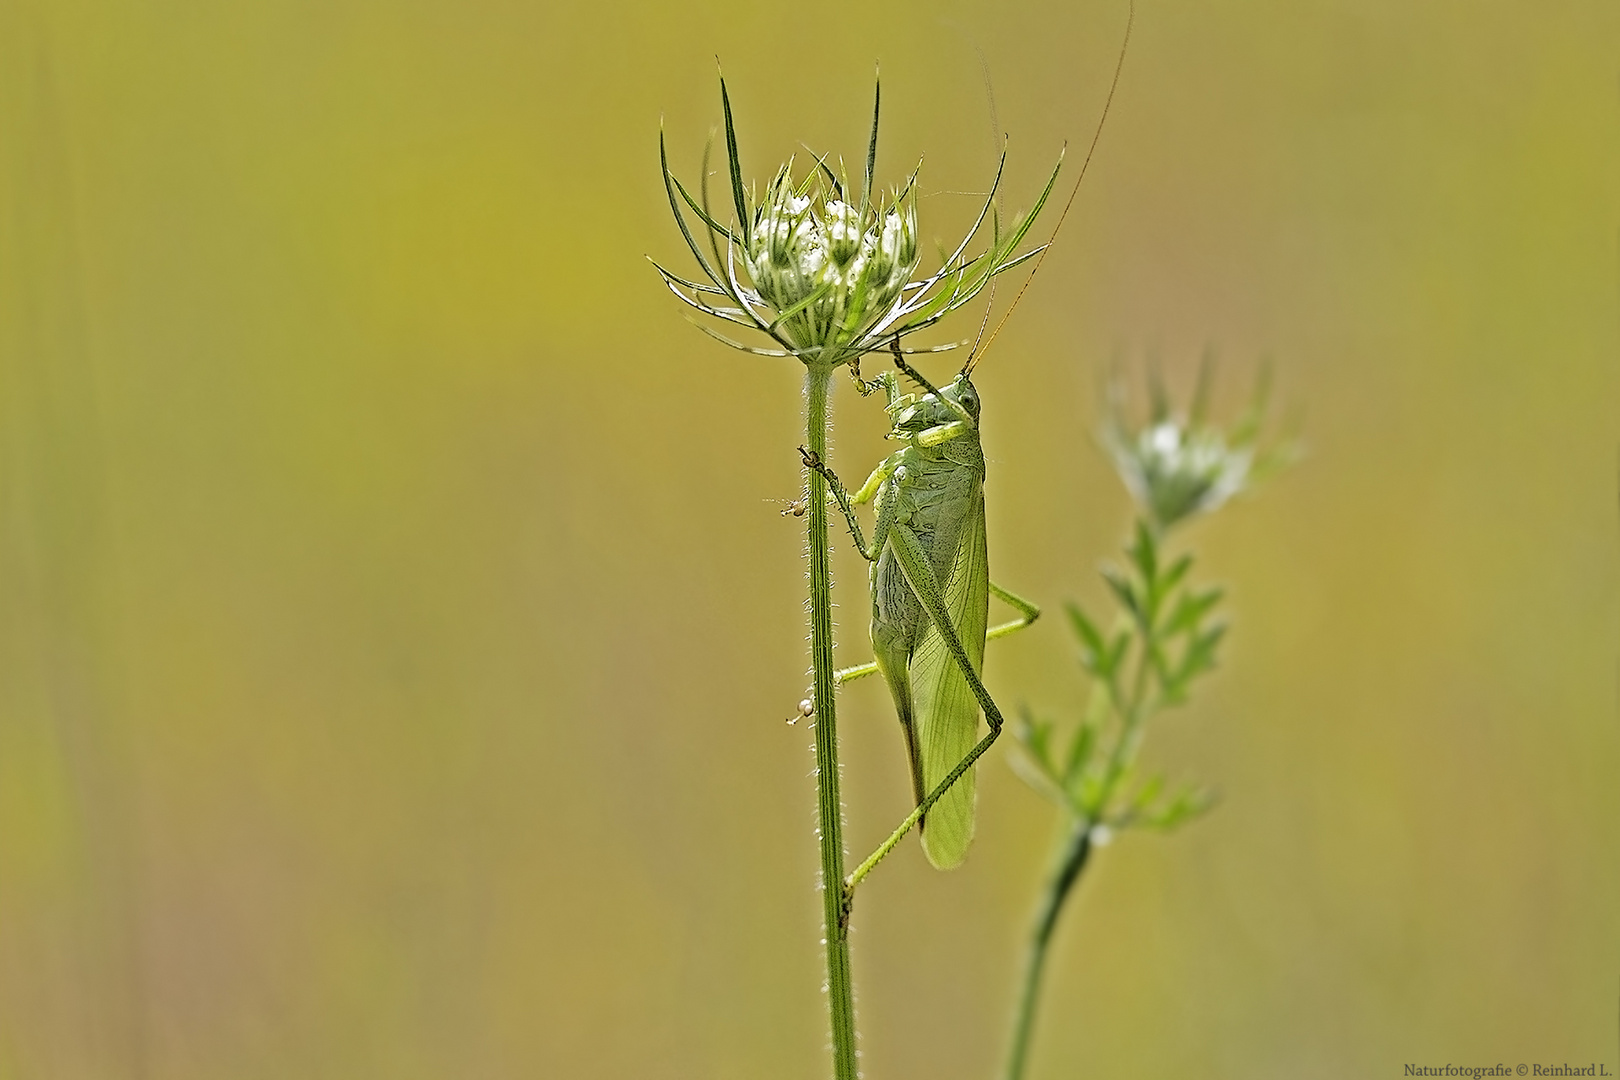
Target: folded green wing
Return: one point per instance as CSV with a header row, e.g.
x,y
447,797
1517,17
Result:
x,y
947,713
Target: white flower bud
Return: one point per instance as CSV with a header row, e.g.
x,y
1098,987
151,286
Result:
x,y
811,246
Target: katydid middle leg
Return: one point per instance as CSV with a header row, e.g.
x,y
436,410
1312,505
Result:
x,y
1027,614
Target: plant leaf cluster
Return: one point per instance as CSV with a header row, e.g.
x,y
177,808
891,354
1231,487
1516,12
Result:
x,y
1163,636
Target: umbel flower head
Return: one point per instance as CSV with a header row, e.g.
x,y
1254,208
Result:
x,y
1179,465
823,269
825,266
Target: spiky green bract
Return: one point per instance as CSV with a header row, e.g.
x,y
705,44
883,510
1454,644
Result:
x,y
824,272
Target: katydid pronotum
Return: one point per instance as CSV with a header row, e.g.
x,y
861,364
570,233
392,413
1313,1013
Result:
x,y
930,601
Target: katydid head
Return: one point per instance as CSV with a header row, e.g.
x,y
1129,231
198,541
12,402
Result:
x,y
961,398
956,404
962,392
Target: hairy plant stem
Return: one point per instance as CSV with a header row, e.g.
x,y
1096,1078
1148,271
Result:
x,y
829,807
1065,872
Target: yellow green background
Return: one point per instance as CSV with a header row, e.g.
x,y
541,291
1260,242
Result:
x,y
397,622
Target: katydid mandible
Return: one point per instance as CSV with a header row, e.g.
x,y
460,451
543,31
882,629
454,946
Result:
x,y
930,598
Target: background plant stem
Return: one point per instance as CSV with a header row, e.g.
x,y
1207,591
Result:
x,y
1066,870
1076,846
829,808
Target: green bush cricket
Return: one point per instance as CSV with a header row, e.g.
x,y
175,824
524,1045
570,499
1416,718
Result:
x,y
930,592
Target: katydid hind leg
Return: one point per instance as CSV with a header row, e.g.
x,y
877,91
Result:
x,y
813,462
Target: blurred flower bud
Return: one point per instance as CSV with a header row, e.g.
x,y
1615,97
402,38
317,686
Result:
x,y
1179,465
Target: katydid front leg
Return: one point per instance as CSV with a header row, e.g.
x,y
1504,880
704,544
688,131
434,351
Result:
x,y
873,483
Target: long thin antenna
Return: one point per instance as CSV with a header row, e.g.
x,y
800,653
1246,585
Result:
x,y
997,138
1119,67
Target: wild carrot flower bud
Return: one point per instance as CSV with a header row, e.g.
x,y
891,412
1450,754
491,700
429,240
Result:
x,y
824,267
828,268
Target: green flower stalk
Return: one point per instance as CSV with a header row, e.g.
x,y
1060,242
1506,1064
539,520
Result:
x,y
825,272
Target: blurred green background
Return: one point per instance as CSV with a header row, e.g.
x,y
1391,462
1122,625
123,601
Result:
x,y
397,623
